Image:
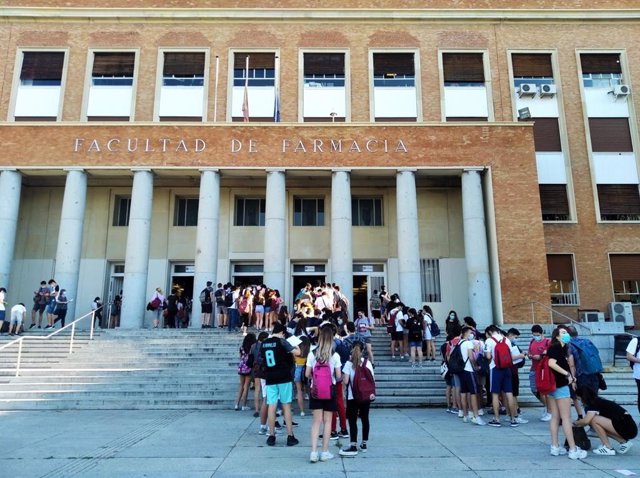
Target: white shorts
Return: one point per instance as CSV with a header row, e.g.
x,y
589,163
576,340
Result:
x,y
427,333
16,318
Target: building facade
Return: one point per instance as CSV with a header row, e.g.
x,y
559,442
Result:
x,y
480,157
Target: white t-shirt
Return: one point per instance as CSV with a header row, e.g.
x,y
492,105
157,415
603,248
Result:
x,y
334,363
351,371
399,318
466,348
2,300
631,349
427,327
18,312
490,344
515,351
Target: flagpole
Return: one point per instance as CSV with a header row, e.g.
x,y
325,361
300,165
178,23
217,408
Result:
x,y
276,82
245,103
215,91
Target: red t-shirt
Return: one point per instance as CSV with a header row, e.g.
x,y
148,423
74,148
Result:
x,y
537,348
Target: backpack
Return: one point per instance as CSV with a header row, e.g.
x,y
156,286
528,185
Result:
x,y
456,363
342,348
258,361
375,303
219,295
364,385
415,329
228,299
545,380
391,324
205,296
243,306
352,339
322,386
586,356
502,354
522,361
435,330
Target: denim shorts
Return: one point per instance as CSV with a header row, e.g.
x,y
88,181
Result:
x,y
562,392
415,344
299,375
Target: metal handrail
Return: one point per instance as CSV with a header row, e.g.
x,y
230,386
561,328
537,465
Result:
x,y
21,340
533,303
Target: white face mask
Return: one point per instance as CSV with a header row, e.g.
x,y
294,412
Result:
x,y
471,337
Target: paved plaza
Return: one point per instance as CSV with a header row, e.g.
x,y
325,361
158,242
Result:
x,y
199,444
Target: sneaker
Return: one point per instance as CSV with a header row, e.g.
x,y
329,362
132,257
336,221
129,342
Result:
x,y
262,430
546,417
277,425
292,441
514,422
32,326
294,424
624,447
11,334
363,446
393,357
334,436
271,441
494,423
302,414
350,450
460,414
314,457
465,419
453,411
448,410
478,421
256,414
557,450
577,454
245,408
521,421
343,434
326,456
236,407
603,450
481,412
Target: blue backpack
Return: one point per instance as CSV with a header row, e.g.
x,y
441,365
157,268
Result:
x,y
586,356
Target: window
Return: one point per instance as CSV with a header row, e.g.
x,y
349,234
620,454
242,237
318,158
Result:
x,y
308,212
121,211
250,212
393,69
609,135
42,68
111,88
430,280
619,202
39,93
183,69
113,68
463,69
532,68
562,285
186,212
625,273
466,97
554,202
324,87
366,211
262,69
324,69
601,70
261,86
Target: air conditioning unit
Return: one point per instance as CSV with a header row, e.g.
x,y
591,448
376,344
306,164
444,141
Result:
x,y
592,316
621,90
548,90
527,89
621,312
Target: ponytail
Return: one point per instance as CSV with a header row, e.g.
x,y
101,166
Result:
x,y
356,355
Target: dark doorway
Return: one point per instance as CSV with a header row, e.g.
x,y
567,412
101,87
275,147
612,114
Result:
x,y
244,281
183,282
300,281
360,297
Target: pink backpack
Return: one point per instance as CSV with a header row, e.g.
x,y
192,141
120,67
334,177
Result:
x,y
322,386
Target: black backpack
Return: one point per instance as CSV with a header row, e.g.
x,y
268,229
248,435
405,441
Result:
x,y
219,295
456,363
228,299
415,329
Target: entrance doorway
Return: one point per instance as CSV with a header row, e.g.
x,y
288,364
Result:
x,y
366,279
114,287
302,274
182,280
247,274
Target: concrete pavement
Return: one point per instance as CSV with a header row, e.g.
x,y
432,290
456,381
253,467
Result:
x,y
170,443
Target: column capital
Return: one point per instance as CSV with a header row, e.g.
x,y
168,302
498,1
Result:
x,y
406,170
141,170
213,170
341,170
68,170
479,169
13,170
275,170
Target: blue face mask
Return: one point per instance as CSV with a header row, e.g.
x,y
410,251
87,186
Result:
x,y
566,338
537,338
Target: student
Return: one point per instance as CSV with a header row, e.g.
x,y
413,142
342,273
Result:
x,y
559,401
157,303
364,328
244,371
454,338
356,409
430,349
469,386
206,305
374,306
18,316
299,378
257,372
537,350
3,293
396,320
607,419
277,356
321,361
415,327
633,356
518,357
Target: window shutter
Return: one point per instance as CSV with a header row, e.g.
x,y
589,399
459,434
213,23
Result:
x,y
113,64
560,267
258,61
42,65
393,64
324,63
183,64
610,135
554,202
532,65
618,200
463,67
625,266
600,63
546,134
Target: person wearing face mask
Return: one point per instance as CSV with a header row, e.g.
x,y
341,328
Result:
x,y
559,401
518,358
451,322
537,349
469,385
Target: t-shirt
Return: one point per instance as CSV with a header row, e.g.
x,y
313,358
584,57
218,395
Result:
x,y
466,348
399,318
490,344
350,370
277,360
606,408
537,348
558,352
334,363
631,349
515,351
17,312
361,326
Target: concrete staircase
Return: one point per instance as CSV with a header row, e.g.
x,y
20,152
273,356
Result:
x,y
194,369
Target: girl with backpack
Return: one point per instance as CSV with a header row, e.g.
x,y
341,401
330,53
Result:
x,y
299,378
356,407
430,348
323,367
415,328
244,371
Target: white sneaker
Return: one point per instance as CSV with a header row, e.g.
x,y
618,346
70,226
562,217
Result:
x,y
465,419
302,414
577,454
557,450
460,414
546,417
478,421
521,420
481,412
603,450
624,447
326,456
314,457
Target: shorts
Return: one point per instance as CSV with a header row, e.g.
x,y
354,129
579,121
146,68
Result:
x,y
325,405
267,309
362,338
39,307
280,391
532,382
206,308
2,314
299,375
515,382
263,388
222,309
625,426
455,380
427,334
469,383
562,392
501,380
259,309
397,336
415,344
51,307
376,313
16,319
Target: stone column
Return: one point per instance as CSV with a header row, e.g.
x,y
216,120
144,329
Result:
x,y
136,264
275,232
10,188
408,238
206,256
341,241
476,249
69,247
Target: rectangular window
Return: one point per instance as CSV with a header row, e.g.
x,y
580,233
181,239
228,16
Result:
x,y
183,69
619,202
186,212
324,87
532,65
324,69
262,68
113,68
250,212
394,69
601,70
554,202
546,135
308,212
562,285
366,211
610,135
42,68
121,210
625,273
463,69
430,280
261,91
